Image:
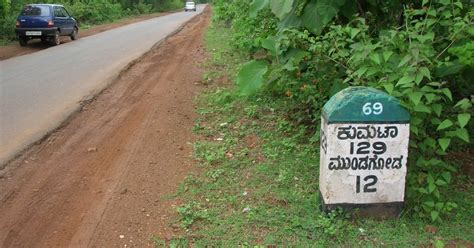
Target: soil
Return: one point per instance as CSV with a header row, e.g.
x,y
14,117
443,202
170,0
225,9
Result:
x,y
465,159
104,179
14,49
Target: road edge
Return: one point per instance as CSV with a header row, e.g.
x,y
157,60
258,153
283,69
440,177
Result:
x,y
89,98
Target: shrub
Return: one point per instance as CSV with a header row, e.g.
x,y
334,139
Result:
x,y
420,53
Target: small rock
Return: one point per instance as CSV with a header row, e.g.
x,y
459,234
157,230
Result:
x,y
223,124
143,209
245,210
219,139
260,54
124,191
229,155
431,229
121,236
245,193
92,149
181,148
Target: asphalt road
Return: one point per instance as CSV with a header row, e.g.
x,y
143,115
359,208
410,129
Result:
x,y
40,90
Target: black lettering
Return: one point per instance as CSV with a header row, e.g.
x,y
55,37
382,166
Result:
x,y
367,188
331,165
381,134
392,130
347,163
398,161
370,180
373,163
354,164
361,134
381,163
363,163
363,148
388,162
373,134
379,148
345,133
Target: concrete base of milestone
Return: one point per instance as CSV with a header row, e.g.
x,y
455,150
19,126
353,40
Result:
x,y
379,211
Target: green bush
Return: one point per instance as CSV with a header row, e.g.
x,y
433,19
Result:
x,y
95,12
170,5
7,27
419,52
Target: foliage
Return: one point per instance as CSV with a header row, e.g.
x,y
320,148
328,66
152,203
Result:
x,y
251,32
258,177
417,51
94,12
191,212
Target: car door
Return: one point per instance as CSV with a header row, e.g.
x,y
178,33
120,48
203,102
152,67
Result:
x,y
70,23
60,20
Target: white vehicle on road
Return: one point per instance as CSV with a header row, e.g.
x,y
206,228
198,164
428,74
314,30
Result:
x,y
190,5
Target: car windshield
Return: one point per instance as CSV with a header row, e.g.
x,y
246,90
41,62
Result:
x,y
190,3
36,11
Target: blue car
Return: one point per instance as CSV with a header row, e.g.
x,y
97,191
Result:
x,y
46,22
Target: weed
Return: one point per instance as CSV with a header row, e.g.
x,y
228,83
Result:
x,y
263,190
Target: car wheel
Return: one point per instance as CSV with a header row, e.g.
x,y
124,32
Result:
x,y
74,34
56,40
23,40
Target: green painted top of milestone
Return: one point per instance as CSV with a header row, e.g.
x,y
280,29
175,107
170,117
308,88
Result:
x,y
364,105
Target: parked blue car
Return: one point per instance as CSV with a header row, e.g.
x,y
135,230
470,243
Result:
x,y
46,22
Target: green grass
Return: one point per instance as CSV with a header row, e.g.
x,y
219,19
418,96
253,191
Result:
x,y
259,184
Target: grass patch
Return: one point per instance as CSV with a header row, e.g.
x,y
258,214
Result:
x,y
259,184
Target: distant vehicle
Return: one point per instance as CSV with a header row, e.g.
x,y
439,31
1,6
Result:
x,y
190,5
46,22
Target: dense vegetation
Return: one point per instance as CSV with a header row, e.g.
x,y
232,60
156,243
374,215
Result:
x,y
418,51
259,151
88,12
257,184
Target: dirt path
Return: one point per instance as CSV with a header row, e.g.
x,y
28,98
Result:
x,y
102,179
15,49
